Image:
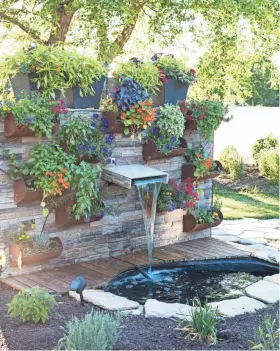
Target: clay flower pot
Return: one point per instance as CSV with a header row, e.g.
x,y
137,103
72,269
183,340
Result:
x,y
190,125
22,194
190,224
150,151
64,219
188,172
12,129
14,254
171,92
114,125
41,257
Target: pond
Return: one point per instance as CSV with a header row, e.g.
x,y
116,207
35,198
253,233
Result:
x,y
211,282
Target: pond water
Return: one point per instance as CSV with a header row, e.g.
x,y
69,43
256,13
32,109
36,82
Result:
x,y
183,285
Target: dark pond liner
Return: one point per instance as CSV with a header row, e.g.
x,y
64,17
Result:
x,y
226,265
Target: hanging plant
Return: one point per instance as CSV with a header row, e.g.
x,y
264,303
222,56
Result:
x,y
206,114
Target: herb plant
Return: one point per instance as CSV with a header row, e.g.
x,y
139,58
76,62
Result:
x,y
173,196
144,73
267,334
137,118
87,137
168,128
108,104
170,67
198,158
207,114
56,68
95,331
32,305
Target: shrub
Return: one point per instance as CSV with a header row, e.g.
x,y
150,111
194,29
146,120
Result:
x,y
268,160
203,322
267,336
263,143
32,305
96,331
232,162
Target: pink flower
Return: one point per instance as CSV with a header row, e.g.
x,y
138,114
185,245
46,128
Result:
x,y
202,117
193,71
190,204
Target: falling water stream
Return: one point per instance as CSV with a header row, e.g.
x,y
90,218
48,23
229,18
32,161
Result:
x,y
148,191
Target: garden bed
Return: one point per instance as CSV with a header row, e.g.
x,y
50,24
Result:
x,y
136,333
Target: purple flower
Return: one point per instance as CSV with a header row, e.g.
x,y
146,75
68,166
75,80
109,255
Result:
x,y
105,121
155,131
168,147
171,206
93,147
82,148
174,140
105,150
93,125
28,119
105,130
109,138
95,115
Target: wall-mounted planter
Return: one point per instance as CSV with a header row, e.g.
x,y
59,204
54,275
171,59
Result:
x,y
115,125
190,224
188,172
73,99
12,129
23,195
64,219
35,258
171,92
85,158
190,125
150,151
22,84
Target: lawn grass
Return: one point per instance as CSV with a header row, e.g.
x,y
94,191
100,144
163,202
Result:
x,y
236,205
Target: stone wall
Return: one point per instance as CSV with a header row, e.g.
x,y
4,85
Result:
x,y
113,235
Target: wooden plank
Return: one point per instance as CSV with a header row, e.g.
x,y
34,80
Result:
x,y
53,280
194,254
99,268
63,276
15,284
25,280
218,250
168,255
46,283
89,275
117,265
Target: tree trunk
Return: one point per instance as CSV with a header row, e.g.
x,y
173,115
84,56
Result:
x,y
62,25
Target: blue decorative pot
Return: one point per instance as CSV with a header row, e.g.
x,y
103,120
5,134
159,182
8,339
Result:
x,y
171,92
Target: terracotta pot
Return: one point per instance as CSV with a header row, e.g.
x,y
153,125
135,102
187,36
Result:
x,y
12,129
190,224
14,253
22,195
188,172
190,125
114,125
150,151
43,256
63,218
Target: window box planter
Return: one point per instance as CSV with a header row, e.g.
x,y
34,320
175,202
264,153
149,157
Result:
x,y
22,83
23,195
73,99
171,92
188,172
150,151
51,252
64,219
115,125
12,129
190,224
190,125
85,158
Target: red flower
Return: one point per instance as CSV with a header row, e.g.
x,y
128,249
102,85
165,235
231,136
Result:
x,y
193,71
202,117
189,117
190,204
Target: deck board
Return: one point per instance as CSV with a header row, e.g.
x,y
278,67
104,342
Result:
x,y
99,272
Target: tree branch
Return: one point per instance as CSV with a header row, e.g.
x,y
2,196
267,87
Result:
x,y
21,25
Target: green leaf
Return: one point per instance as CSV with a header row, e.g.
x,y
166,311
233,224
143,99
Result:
x,y
126,131
45,212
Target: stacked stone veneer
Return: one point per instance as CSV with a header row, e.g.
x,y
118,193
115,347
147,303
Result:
x,y
113,235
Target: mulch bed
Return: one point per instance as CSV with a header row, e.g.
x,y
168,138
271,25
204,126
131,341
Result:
x,y
136,333
251,178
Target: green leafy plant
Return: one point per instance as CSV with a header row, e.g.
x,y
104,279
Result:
x,y
269,142
86,180
144,73
17,170
232,162
108,104
267,335
32,305
37,112
168,128
96,331
171,67
202,162
55,67
86,137
207,114
203,322
268,162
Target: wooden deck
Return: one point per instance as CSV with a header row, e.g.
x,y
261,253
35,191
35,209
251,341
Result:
x,y
99,272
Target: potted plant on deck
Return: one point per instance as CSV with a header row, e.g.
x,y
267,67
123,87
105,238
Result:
x,y
197,219
176,78
35,116
53,70
86,138
200,165
164,138
205,116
